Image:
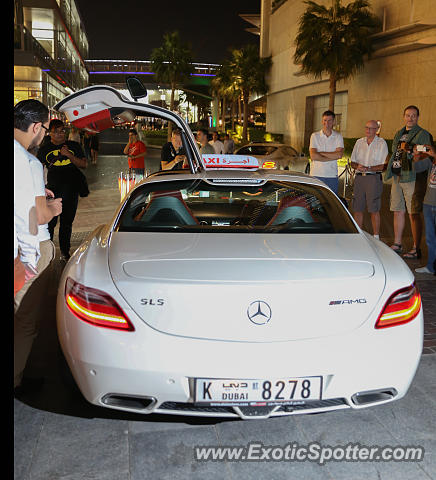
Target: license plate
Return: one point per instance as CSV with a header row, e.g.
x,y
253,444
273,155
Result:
x,y
257,392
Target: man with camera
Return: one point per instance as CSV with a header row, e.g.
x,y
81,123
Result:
x,y
408,187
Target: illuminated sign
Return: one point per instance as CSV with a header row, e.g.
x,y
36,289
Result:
x,y
269,165
224,162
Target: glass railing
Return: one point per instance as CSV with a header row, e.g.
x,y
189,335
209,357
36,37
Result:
x,y
62,65
73,28
142,66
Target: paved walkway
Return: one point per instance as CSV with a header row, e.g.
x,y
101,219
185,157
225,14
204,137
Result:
x,y
59,436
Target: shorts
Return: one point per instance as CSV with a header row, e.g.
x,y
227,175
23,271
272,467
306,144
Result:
x,y
408,195
367,193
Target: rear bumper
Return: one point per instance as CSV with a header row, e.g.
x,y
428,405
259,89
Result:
x,y
156,370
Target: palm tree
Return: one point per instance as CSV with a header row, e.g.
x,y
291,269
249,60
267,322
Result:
x,y
172,64
334,40
248,72
225,87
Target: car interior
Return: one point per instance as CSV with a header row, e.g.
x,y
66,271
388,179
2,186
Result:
x,y
204,208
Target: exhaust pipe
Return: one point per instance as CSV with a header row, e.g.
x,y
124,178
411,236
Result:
x,y
373,396
128,401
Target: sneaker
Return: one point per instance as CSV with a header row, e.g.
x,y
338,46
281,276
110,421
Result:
x,y
423,270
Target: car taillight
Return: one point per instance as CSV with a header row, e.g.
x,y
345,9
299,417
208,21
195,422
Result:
x,y
402,307
95,307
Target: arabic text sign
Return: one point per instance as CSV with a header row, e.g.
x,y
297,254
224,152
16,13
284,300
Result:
x,y
223,162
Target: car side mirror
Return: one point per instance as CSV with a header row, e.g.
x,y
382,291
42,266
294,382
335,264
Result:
x,y
136,88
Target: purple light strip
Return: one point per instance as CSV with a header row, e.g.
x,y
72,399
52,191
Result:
x,y
148,73
129,73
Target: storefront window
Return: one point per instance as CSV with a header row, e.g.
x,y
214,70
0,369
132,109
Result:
x,y
26,94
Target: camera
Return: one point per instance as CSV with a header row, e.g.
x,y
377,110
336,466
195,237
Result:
x,y
406,146
422,148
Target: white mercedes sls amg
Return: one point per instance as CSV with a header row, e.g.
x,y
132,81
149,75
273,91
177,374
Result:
x,y
230,290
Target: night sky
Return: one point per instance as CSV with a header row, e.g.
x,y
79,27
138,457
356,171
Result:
x,y
131,29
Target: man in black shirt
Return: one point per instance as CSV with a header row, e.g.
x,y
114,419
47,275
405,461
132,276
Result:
x,y
172,156
63,158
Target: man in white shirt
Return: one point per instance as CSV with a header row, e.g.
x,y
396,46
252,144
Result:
x,y
326,148
368,158
30,117
216,143
30,299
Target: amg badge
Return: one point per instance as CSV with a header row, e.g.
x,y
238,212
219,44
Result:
x,y
349,302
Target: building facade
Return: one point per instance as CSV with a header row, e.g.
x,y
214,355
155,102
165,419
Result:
x,y
50,49
400,72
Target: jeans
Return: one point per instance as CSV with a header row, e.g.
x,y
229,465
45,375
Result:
x,y
331,182
430,234
70,199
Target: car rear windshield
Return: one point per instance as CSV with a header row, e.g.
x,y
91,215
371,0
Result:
x,y
257,150
273,207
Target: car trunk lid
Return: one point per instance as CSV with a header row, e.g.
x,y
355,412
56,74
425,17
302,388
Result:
x,y
247,287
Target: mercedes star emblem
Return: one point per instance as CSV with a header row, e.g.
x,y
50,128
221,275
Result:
x,y
259,312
